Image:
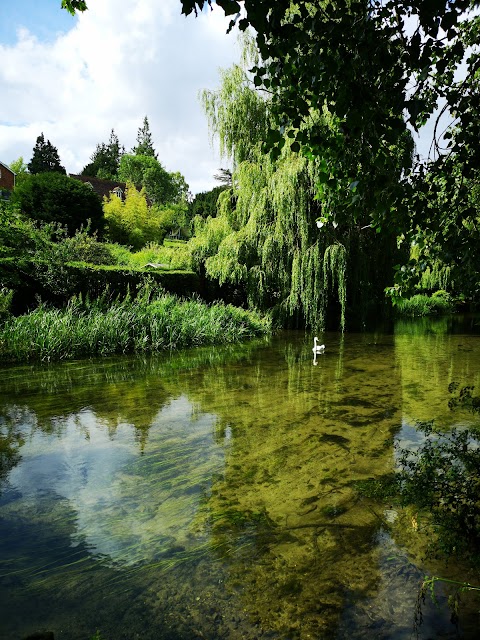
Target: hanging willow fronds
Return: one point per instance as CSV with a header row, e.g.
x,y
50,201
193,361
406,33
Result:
x,y
335,271
265,237
237,115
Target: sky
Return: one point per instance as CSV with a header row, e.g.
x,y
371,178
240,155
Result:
x,y
75,78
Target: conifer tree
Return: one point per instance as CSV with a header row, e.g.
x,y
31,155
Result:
x,y
144,145
45,157
105,160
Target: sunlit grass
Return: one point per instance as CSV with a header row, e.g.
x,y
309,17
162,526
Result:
x,y
423,305
141,325
172,255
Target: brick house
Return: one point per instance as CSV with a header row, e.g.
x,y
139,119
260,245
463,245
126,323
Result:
x,y
7,178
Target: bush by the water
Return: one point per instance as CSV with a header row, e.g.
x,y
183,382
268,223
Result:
x,y
144,324
423,305
441,480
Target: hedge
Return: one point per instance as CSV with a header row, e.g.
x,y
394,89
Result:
x,y
56,283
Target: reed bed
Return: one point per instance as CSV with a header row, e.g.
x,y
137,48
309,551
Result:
x,y
140,325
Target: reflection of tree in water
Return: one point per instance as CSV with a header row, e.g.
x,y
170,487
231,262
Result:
x,y
10,443
430,359
124,390
12,420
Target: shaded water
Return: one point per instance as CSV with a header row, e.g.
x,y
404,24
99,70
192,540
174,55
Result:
x,y
211,493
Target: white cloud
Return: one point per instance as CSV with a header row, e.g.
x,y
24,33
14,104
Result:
x,y
123,59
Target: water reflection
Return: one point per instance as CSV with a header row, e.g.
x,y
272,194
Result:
x,y
212,493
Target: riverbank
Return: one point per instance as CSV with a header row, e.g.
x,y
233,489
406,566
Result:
x,y
144,324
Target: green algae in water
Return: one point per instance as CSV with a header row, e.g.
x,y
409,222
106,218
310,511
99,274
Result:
x,y
212,493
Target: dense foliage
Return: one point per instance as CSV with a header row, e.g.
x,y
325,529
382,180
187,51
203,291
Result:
x,y
378,68
19,167
444,230
134,222
205,203
273,235
423,305
56,198
141,167
161,187
105,160
45,157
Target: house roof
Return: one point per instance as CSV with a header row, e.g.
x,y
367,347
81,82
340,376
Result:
x,y
7,167
103,188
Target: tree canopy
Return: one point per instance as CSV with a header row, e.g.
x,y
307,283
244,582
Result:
x,y
53,197
45,157
161,187
273,236
18,166
144,146
342,53
105,160
205,203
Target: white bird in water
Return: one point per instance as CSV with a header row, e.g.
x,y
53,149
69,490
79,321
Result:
x,y
317,348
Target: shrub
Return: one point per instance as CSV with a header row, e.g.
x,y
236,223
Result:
x,y
85,247
135,223
53,197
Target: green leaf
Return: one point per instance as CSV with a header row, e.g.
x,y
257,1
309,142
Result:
x,y
230,7
449,20
323,178
74,5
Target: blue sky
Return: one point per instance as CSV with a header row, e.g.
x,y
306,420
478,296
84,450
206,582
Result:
x,y
44,18
75,78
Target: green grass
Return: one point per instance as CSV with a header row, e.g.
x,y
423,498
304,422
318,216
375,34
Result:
x,y
145,324
423,305
172,254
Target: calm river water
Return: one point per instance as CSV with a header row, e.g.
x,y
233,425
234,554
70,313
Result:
x,y
211,493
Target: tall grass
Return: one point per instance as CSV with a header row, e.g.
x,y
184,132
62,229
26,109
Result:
x,y
423,305
140,325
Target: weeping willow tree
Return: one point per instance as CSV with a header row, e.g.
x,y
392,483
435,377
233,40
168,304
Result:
x,y
274,235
